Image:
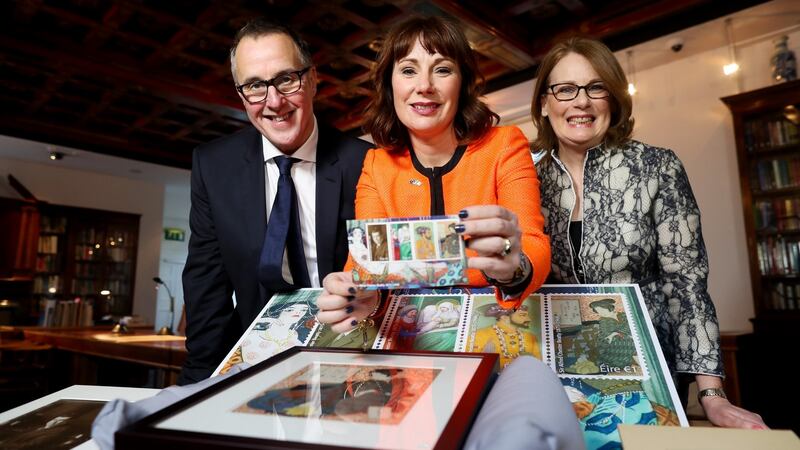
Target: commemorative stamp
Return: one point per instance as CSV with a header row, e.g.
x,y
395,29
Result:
x,y
508,332
434,322
594,336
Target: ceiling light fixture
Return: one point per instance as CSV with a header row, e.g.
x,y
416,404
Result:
x,y
631,74
732,67
55,156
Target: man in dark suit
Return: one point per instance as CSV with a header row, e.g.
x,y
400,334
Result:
x,y
236,191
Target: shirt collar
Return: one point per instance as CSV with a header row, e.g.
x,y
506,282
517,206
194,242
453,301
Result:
x,y
307,152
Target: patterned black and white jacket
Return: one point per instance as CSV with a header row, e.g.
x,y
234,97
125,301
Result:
x,y
641,224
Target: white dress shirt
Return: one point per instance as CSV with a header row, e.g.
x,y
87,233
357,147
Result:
x,y
304,175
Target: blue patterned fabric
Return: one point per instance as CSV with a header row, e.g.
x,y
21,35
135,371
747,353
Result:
x,y
641,224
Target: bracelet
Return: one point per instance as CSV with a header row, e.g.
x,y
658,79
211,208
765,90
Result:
x,y
711,392
521,274
380,305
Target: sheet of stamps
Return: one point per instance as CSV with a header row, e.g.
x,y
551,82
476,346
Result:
x,y
598,339
407,253
593,337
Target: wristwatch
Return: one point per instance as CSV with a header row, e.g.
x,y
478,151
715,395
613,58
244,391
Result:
x,y
711,392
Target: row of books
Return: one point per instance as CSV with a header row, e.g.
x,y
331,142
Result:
x,y
49,224
66,313
777,174
43,283
780,214
85,252
778,256
48,244
784,296
86,270
48,263
92,287
760,135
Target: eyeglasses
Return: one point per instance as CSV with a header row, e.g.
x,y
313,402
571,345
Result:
x,y
569,91
285,84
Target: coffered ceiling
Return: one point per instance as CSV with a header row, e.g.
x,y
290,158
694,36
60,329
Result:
x,y
150,79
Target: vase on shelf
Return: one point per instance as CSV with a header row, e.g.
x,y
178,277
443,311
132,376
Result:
x,y
783,62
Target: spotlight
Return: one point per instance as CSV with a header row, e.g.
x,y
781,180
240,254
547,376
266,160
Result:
x,y
55,156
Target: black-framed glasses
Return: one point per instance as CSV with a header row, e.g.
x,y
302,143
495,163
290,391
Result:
x,y
287,83
569,91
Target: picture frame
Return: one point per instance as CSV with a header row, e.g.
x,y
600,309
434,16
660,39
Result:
x,y
328,398
62,419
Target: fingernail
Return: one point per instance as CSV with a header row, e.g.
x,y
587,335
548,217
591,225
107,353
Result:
x,y
350,298
351,290
463,214
354,322
460,228
349,309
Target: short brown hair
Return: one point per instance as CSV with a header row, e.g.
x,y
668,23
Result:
x,y
473,117
607,66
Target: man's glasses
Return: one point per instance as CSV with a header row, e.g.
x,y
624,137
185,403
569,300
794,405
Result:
x,y
287,83
569,91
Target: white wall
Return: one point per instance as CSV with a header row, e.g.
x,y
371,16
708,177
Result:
x,y
173,253
71,187
677,106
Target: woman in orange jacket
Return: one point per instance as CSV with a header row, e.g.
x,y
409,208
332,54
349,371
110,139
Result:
x,y
440,153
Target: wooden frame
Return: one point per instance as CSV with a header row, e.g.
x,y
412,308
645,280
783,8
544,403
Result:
x,y
310,398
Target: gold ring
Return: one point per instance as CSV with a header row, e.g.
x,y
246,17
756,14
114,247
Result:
x,y
506,249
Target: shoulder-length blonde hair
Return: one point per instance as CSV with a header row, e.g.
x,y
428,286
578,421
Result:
x,y
607,66
473,117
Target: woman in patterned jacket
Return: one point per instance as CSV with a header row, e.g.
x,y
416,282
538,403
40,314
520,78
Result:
x,y
621,211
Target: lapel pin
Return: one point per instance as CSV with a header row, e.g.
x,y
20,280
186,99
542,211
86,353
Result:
x,y
415,182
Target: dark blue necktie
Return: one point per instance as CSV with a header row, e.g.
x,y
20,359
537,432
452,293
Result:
x,y
283,232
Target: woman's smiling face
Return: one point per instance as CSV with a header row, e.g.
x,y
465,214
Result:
x,y
425,90
580,123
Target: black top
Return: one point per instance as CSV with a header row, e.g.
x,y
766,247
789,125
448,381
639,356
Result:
x,y
575,241
435,174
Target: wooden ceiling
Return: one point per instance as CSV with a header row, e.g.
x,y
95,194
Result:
x,y
150,79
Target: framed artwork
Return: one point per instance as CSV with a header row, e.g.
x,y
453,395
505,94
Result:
x,y
328,398
61,420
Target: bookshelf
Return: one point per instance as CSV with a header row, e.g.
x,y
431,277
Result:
x,y
85,266
767,132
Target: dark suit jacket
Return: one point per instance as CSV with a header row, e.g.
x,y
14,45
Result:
x,y
228,223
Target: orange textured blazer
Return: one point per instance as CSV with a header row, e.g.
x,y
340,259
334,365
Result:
x,y
498,169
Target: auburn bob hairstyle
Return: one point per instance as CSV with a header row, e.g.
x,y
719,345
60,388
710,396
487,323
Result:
x,y
473,118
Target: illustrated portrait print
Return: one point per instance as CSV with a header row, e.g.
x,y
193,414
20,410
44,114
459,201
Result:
x,y
353,393
424,247
509,333
378,242
593,336
426,323
401,242
449,240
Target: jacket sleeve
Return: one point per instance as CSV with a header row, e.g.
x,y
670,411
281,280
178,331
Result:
x,y
684,271
206,286
518,191
368,201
